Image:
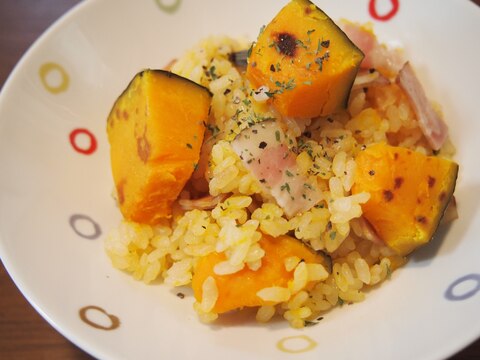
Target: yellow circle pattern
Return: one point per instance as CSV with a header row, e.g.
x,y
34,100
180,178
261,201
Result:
x,y
47,69
286,343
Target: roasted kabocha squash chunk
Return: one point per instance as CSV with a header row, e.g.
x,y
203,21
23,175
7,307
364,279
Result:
x,y
244,288
305,60
155,130
409,193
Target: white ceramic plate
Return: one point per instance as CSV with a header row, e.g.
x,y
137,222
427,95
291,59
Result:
x,y
55,185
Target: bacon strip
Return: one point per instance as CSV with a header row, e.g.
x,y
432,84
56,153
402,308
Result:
x,y
432,125
264,150
377,55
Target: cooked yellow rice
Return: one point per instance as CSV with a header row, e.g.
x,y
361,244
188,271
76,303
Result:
x,y
170,250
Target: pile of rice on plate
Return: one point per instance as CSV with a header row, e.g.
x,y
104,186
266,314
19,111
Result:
x,y
234,211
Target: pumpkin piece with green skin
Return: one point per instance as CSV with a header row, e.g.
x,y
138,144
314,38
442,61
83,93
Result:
x,y
409,193
155,130
305,60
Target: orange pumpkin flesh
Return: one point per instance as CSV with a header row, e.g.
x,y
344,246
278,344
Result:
x,y
240,289
306,61
155,130
409,193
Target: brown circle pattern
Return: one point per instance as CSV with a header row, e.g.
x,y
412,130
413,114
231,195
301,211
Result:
x,y
83,313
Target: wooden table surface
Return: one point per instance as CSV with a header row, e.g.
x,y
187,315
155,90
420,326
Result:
x,y
24,334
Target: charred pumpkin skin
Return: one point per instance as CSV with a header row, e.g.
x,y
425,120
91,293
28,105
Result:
x,y
239,290
155,130
306,61
409,193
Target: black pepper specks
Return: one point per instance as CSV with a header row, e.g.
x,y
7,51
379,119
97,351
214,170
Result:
x,y
431,181
371,172
262,145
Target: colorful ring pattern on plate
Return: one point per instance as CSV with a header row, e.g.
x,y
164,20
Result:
x,y
96,228
372,9
48,75
169,8
296,344
83,150
114,320
452,295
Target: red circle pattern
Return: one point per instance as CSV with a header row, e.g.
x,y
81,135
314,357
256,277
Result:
x,y
93,142
373,10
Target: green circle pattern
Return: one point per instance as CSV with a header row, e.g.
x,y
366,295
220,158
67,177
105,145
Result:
x,y
170,9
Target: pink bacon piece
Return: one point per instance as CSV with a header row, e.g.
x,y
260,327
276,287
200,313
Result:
x,y
377,56
264,150
432,125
